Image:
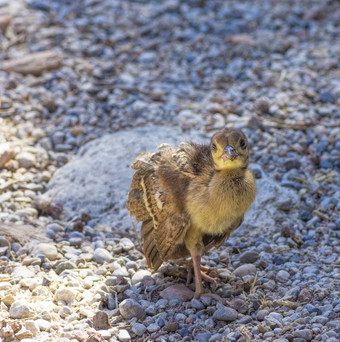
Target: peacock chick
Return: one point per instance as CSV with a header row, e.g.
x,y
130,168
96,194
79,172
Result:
x,y
190,198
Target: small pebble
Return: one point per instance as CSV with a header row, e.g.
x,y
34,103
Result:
x,y
283,276
138,329
20,309
43,324
153,327
101,320
248,257
261,314
177,291
247,269
203,337
26,159
306,334
277,260
101,256
224,313
124,336
47,250
65,294
197,304
130,308
126,244
139,275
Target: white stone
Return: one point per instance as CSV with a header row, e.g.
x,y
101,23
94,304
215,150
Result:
x,y
20,309
43,324
114,266
126,244
26,159
5,285
31,283
65,294
65,311
21,272
24,212
139,275
38,133
45,249
23,333
121,272
124,336
106,334
32,327
101,255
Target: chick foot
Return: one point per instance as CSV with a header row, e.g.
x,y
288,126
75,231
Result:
x,y
195,268
190,274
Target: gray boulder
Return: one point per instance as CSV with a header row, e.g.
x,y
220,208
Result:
x,y
97,180
265,210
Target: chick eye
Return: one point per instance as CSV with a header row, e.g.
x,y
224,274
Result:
x,y
243,144
213,146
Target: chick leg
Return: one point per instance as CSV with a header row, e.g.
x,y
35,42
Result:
x,y
196,259
194,244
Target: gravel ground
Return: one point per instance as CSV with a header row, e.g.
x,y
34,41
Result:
x,y
268,67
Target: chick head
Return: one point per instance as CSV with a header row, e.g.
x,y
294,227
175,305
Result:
x,y
229,149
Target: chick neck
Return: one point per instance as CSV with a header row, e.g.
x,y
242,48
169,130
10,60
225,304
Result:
x,y
227,185
231,173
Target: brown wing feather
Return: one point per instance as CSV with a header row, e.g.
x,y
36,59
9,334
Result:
x,y
170,234
149,247
169,225
135,203
136,206
152,199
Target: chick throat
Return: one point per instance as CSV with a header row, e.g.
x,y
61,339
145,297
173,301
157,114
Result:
x,y
230,165
229,180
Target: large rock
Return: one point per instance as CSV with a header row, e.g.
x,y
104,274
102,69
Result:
x,y
97,180
265,211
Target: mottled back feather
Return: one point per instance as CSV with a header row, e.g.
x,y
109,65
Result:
x,y
154,200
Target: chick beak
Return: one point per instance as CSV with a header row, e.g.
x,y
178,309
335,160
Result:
x,y
229,153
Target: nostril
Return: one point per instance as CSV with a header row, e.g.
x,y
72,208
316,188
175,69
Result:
x,y
229,149
230,152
